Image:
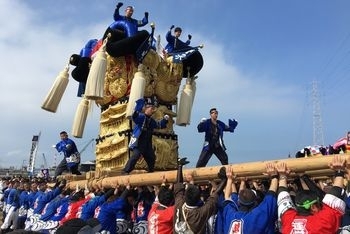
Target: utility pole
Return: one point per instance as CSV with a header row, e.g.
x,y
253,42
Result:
x,y
318,137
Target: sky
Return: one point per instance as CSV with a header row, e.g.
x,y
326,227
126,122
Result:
x,y
260,61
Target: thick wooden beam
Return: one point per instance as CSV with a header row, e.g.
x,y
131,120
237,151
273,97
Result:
x,y
315,166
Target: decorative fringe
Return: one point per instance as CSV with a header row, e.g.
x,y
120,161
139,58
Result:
x,y
96,78
80,118
55,94
185,106
137,91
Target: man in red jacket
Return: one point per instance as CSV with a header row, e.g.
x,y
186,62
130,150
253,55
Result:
x,y
161,215
310,214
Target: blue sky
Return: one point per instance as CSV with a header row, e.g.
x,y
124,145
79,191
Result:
x,y
260,58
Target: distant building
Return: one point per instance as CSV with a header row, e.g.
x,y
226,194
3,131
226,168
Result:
x,y
12,172
88,166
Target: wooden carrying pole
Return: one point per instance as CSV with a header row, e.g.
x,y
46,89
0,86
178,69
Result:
x,y
318,165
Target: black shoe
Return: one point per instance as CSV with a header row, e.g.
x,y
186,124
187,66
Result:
x,y
124,172
182,161
222,173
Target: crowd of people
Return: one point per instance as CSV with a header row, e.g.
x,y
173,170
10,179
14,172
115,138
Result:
x,y
279,203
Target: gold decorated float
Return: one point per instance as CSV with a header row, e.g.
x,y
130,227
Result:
x,y
162,80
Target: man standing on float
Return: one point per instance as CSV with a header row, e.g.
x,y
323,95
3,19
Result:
x,y
71,158
213,141
141,140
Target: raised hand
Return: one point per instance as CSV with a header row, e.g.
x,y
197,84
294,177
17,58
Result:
x,y
338,163
119,5
229,173
270,169
232,123
282,168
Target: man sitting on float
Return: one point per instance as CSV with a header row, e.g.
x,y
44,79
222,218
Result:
x,y
174,42
126,22
124,37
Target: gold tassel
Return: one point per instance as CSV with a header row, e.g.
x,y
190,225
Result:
x,y
80,118
96,78
55,94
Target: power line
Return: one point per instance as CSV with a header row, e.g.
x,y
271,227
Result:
x,y
330,60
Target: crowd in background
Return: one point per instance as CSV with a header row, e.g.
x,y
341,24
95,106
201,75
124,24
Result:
x,y
279,203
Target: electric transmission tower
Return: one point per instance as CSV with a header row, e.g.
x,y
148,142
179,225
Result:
x,y
318,138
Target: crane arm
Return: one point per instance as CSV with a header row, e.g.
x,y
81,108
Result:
x,y
45,162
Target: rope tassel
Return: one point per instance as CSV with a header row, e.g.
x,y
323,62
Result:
x,y
80,118
96,78
55,94
137,90
186,101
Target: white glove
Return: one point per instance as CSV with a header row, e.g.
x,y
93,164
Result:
x,y
166,117
203,119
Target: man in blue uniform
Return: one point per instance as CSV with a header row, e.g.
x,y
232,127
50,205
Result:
x,y
213,142
174,42
141,140
71,158
241,211
127,22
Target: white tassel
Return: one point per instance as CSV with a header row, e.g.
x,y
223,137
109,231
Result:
x,y
137,91
194,89
55,94
80,118
96,78
185,106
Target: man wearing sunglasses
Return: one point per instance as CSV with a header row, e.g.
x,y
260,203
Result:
x,y
213,141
